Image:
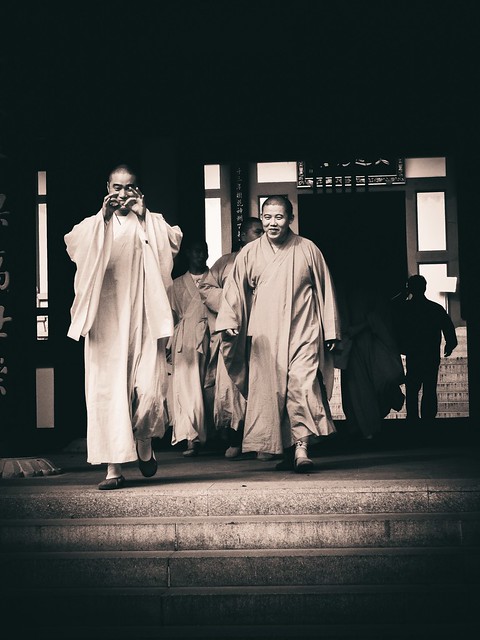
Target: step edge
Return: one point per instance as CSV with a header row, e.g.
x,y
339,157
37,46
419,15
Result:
x,y
247,553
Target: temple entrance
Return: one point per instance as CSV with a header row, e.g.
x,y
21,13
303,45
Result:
x,y
359,233
363,238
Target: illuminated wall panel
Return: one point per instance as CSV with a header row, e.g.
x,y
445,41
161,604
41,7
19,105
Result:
x,y
431,221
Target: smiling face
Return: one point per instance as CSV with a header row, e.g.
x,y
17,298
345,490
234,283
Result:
x,y
276,223
122,183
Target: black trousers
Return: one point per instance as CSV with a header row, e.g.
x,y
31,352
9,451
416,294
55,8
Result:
x,y
421,375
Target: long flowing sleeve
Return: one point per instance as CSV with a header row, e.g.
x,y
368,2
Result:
x,y
160,244
234,314
328,307
211,287
89,245
328,313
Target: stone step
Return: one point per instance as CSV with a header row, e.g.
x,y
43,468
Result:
x,y
450,377
287,496
242,532
369,631
453,407
167,607
452,387
412,631
266,567
452,364
452,396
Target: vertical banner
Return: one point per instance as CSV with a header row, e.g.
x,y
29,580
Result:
x,y
17,307
7,316
240,195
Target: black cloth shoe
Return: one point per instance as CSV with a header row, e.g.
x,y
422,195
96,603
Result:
x,y
147,468
112,483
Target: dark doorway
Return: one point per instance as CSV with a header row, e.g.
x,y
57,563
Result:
x,y
361,235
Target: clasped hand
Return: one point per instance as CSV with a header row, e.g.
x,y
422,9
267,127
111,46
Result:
x,y
134,202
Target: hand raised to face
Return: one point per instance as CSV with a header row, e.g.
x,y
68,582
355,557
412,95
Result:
x,y
136,202
110,204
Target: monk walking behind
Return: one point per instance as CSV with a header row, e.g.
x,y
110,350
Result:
x,y
190,352
229,405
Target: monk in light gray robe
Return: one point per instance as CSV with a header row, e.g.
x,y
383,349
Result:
x,y
229,405
190,353
279,297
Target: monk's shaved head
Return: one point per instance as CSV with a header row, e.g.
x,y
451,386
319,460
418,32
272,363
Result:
x,y
123,169
281,201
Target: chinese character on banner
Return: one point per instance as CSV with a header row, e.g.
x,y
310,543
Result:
x,y
239,199
4,275
3,214
3,372
3,319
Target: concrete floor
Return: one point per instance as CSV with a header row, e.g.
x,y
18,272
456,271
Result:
x,y
445,452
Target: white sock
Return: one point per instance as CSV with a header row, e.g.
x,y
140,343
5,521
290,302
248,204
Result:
x,y
114,471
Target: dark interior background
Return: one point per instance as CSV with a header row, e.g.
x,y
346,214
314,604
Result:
x,y
362,236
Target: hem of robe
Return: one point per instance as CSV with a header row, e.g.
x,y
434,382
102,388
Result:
x,y
134,459
190,435
261,447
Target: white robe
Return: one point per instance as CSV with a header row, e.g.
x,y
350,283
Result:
x,y
190,350
122,309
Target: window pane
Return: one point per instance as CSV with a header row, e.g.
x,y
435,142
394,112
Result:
x,y
212,176
45,396
42,327
437,282
277,172
42,276
425,168
42,183
213,228
431,221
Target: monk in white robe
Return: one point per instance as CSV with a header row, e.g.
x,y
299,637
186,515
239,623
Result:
x,y
280,296
124,258
229,405
190,353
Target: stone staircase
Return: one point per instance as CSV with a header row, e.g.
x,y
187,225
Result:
x,y
322,559
452,388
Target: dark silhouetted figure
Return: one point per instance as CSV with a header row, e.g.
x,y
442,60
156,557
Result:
x,y
369,359
422,324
